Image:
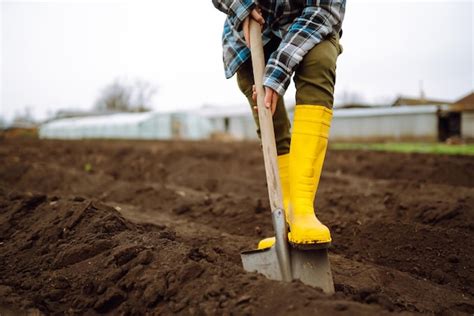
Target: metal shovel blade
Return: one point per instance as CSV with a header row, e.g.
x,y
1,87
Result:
x,y
262,261
273,262
311,267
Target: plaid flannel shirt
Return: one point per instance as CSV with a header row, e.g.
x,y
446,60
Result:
x,y
301,24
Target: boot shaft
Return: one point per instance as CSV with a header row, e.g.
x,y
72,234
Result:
x,y
308,149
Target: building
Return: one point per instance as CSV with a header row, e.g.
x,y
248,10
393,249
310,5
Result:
x,y
408,119
20,127
234,122
401,123
465,108
360,123
146,125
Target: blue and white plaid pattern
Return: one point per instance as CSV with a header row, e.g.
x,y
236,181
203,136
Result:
x,y
301,24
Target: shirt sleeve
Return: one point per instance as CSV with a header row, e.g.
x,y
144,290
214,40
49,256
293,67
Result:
x,y
318,19
237,10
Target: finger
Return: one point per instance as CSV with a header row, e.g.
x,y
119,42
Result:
x,y
246,32
257,17
274,102
268,98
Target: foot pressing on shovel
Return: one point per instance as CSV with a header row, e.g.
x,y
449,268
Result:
x,y
300,171
304,164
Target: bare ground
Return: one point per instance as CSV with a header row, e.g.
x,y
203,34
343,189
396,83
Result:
x,y
157,227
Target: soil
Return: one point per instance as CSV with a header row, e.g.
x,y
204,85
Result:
x,y
132,228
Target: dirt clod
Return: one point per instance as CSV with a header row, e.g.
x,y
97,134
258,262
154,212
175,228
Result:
x,y
110,300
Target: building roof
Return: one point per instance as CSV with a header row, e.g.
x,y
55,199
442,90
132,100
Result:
x,y
401,100
468,99
102,120
466,103
211,111
20,123
384,111
353,106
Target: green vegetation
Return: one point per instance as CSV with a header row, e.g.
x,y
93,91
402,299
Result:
x,y
429,148
88,167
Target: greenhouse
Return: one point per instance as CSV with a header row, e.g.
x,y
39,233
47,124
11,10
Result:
x,y
148,125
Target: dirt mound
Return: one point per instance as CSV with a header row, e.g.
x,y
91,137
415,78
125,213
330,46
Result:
x,y
422,168
157,227
76,256
438,255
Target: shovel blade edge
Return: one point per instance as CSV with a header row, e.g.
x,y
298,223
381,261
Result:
x,y
312,267
263,261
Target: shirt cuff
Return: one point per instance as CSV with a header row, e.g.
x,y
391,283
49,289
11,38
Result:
x,y
276,82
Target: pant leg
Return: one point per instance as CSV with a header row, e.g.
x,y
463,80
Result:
x,y
315,76
281,123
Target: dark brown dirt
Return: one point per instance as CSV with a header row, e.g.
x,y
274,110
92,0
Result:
x,y
157,227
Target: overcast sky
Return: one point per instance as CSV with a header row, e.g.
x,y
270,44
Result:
x,y
59,54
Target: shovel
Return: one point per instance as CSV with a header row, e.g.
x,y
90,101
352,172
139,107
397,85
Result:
x,y
280,262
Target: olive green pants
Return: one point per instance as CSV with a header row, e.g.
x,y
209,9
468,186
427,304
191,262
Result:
x,y
314,79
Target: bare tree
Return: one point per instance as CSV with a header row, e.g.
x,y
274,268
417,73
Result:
x,y
143,93
120,96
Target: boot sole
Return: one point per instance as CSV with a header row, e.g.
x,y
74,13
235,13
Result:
x,y
310,246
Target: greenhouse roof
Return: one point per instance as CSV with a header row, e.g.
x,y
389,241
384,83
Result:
x,y
111,119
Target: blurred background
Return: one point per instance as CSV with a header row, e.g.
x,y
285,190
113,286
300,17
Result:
x,y
153,69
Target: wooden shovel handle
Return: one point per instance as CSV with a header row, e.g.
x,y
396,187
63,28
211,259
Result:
x,y
265,119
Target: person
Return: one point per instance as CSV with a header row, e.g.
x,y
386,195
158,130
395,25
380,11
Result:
x,y
300,38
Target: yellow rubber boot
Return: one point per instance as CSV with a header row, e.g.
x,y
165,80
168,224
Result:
x,y
283,170
308,149
266,243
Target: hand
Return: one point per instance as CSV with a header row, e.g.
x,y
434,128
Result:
x,y
271,98
255,14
